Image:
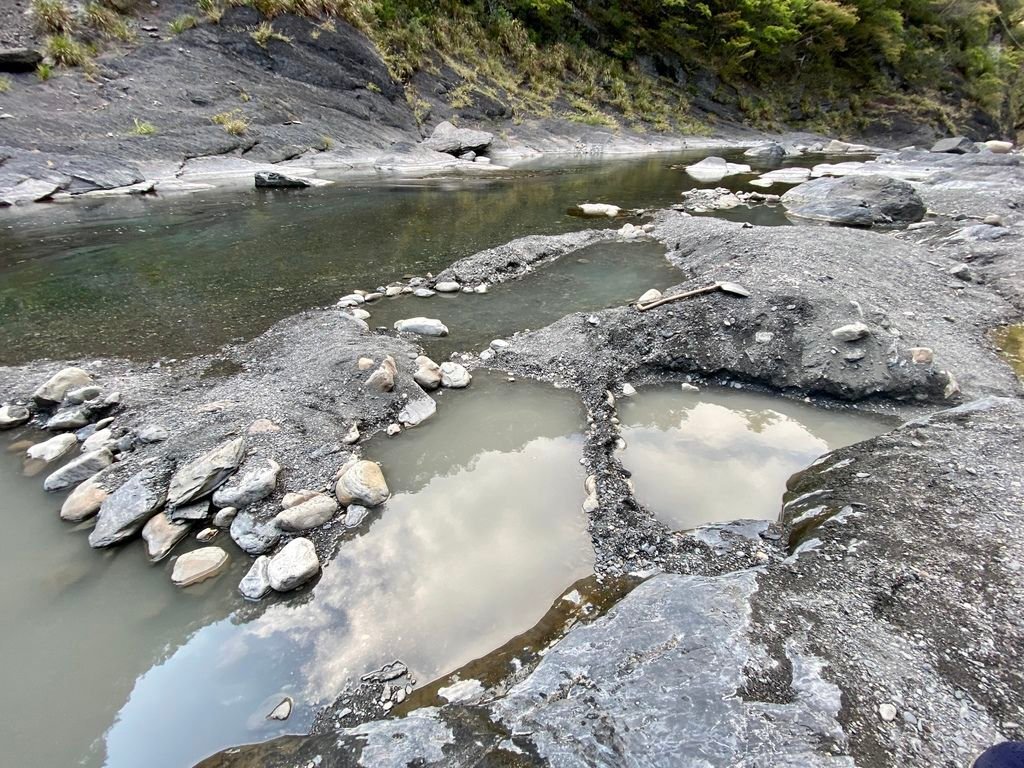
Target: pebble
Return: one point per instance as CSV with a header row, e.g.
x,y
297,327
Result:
x,y
207,535
887,712
851,332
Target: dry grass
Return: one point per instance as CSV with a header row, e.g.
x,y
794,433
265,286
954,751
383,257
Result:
x,y
65,51
234,122
142,128
52,16
183,22
265,32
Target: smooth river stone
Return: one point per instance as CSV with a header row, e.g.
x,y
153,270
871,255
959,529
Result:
x,y
204,474
253,485
78,469
311,513
13,416
127,509
255,585
362,482
161,534
85,501
59,384
199,565
253,536
52,449
293,566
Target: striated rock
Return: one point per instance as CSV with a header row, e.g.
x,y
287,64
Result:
x,y
199,565
85,501
58,385
127,509
456,141
200,476
161,534
417,410
958,145
293,566
52,449
254,484
861,201
428,373
13,416
362,482
253,536
192,512
78,469
454,376
311,513
851,332
255,585
423,326
384,377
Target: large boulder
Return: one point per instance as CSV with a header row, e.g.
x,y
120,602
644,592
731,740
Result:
x,y
362,482
715,169
13,416
53,390
859,201
200,476
957,145
127,510
455,141
770,150
293,566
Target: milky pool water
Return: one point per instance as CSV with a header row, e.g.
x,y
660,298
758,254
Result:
x,y
724,454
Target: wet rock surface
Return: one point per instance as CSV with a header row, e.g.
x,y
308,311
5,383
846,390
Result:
x,y
862,201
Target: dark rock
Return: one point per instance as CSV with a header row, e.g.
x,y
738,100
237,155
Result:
x,y
860,201
19,59
958,145
274,180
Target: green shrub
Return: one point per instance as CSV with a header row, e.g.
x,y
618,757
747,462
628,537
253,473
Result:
x,y
183,22
65,51
142,128
265,32
5,84
233,122
44,72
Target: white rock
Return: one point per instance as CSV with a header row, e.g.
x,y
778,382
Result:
x,y
417,410
498,344
52,449
393,429
454,375
354,515
225,517
199,565
423,293
428,373
462,691
311,513
13,416
599,209
255,585
384,377
58,385
362,482
423,326
293,566
282,711
628,390
101,438
482,288
782,176
352,436
652,295
850,332
999,147
447,286
715,169
256,483
686,387
360,314
82,394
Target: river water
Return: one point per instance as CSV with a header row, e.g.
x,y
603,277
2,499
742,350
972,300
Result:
x,y
104,662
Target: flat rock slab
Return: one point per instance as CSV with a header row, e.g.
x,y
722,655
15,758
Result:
x,y
861,201
199,565
78,469
127,509
161,534
204,474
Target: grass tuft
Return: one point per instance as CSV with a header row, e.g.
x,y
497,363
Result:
x,y
52,16
183,22
142,128
265,32
44,72
105,21
5,84
65,51
234,122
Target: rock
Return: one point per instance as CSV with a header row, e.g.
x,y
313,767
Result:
x,y
207,535
354,515
282,711
999,147
456,141
364,364
202,475
482,288
352,436
127,510
224,517
360,314
993,220
84,502
13,416
199,565
887,712
428,373
482,160
362,482
424,293
652,295
454,376
837,147
423,326
69,418
417,410
19,59
297,497
791,175
311,513
851,332
293,566
768,151
152,434
393,429
274,180
468,156
79,469
196,512
161,534
715,169
921,355
263,426
255,585
959,145
384,377
393,290
687,387
82,394
447,286
499,344
962,272
28,191
374,296
59,384
52,449
596,210
101,438
254,484
628,390
253,536
855,201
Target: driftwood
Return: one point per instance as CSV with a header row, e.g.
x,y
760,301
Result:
x,y
726,287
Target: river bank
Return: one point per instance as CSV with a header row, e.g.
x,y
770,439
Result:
x,y
793,613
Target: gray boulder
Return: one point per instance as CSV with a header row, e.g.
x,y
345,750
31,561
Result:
x,y
252,535
204,474
255,585
860,201
75,417
293,566
311,513
52,391
254,484
456,141
957,145
768,151
126,510
78,469
13,416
